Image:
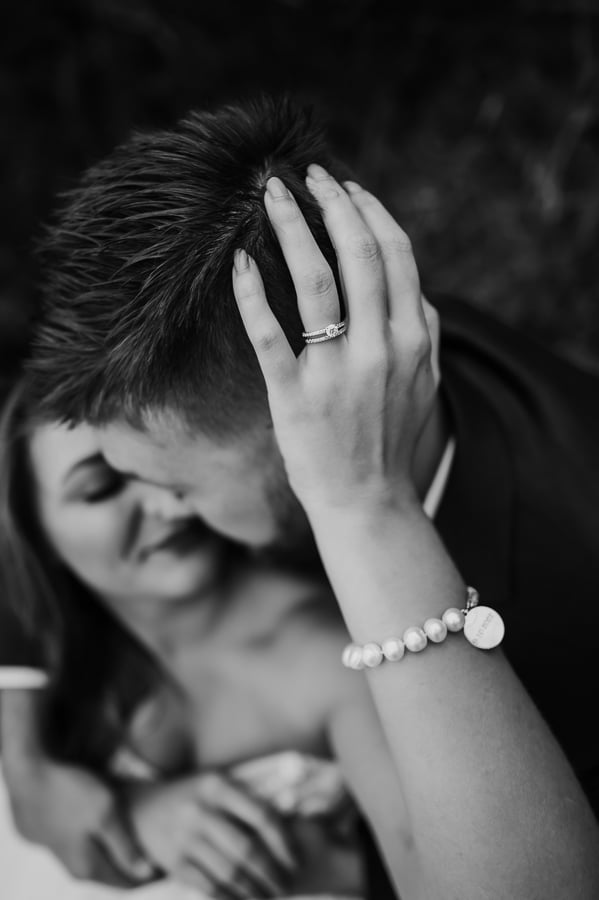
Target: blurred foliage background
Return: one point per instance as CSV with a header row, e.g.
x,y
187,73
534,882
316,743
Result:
x,y
480,130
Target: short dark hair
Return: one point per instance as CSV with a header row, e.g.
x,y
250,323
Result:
x,y
139,312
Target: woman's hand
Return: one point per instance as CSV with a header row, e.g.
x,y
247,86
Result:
x,y
347,412
207,832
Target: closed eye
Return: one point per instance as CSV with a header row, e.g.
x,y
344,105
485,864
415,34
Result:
x,y
92,480
106,488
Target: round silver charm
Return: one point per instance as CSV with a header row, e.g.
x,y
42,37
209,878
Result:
x,y
484,627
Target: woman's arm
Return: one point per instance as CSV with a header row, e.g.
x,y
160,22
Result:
x,y
492,807
65,808
358,742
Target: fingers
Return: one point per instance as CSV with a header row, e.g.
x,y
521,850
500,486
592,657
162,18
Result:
x,y
312,277
432,321
236,876
275,356
123,851
189,874
256,816
224,880
242,854
376,262
401,273
358,253
95,865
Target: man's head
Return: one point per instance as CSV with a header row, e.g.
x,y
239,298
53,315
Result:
x,y
140,333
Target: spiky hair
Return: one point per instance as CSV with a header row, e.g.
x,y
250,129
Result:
x,y
138,310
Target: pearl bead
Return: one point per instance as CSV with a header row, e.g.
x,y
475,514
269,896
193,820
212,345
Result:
x,y
393,649
415,639
372,655
454,618
352,657
435,630
356,661
346,655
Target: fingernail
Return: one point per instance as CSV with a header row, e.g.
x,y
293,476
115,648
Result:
x,y
241,261
352,187
317,172
276,188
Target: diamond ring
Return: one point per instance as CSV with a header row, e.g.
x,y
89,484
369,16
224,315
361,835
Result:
x,y
328,333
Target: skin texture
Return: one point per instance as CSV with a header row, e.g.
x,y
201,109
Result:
x,y
451,753
230,651
123,538
107,530
240,487
228,645
111,531
477,767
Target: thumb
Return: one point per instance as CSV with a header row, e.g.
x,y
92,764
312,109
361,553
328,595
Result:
x,y
123,850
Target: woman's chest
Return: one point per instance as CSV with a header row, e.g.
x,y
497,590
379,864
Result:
x,y
226,705
251,703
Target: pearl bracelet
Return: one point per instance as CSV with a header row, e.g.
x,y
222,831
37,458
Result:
x,y
483,628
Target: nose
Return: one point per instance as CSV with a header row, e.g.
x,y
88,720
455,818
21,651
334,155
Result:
x,y
163,503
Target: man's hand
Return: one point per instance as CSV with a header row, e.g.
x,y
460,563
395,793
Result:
x,y
347,412
209,833
78,817
67,809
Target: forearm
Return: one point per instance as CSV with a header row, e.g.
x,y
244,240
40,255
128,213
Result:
x,y
494,808
23,756
19,728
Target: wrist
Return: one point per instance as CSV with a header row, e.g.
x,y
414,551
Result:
x,y
364,509
387,566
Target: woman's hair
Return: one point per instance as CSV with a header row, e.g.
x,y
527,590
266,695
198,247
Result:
x,y
98,672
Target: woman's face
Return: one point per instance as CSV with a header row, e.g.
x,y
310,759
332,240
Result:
x,y
124,538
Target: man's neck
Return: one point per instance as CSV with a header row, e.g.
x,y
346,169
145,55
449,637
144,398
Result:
x,y
431,445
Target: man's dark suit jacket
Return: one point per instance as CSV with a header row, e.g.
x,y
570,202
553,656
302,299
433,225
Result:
x,y
520,517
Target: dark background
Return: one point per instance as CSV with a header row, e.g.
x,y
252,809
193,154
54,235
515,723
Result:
x,y
480,131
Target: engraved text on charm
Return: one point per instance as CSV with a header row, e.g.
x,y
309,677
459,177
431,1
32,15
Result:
x,y
484,627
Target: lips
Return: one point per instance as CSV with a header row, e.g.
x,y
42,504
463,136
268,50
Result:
x,y
184,538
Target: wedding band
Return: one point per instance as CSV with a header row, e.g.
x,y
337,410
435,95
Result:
x,y
328,333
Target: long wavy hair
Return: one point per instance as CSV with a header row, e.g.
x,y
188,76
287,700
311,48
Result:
x,y
98,672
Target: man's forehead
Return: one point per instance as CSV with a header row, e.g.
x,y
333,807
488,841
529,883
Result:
x,y
156,447
164,451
